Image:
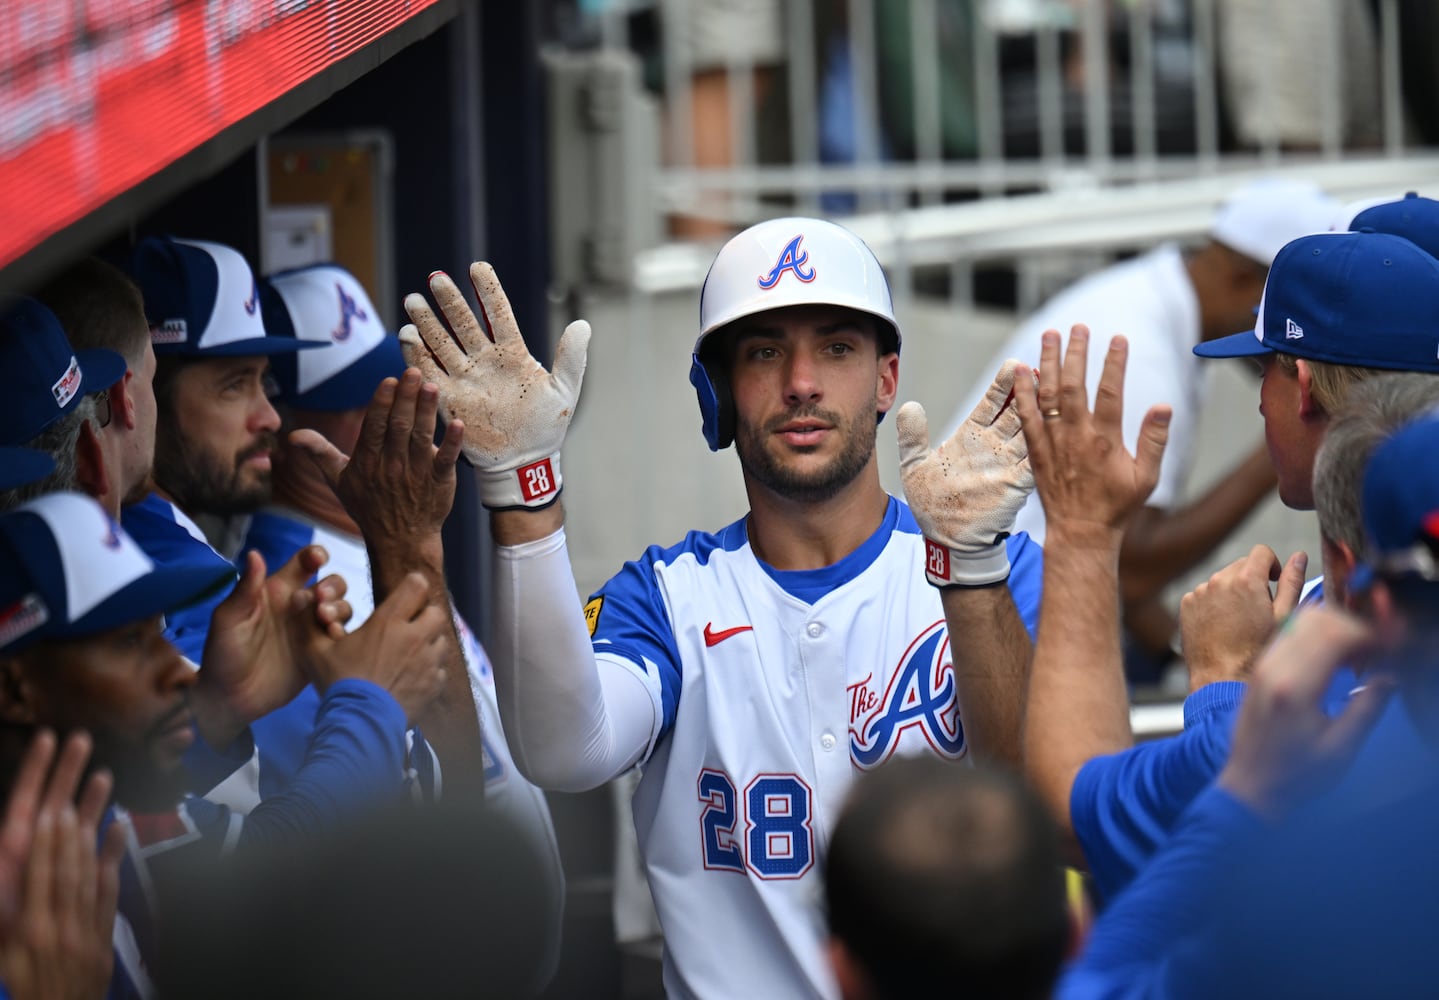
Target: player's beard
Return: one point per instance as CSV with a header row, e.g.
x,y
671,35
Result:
x,y
146,780
200,481
815,485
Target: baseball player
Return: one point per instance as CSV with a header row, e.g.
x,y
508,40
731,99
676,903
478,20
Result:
x,y
751,671
327,393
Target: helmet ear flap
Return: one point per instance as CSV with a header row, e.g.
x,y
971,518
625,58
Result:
x,y
716,405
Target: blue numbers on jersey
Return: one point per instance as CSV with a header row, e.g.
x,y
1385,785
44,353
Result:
x,y
778,840
717,820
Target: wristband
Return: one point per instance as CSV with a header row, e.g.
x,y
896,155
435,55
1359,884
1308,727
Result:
x,y
947,567
532,486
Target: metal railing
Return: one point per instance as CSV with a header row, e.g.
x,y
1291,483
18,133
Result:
x,y
1056,100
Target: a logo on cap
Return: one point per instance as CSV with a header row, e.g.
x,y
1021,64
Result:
x,y
64,390
791,258
349,311
1292,330
22,618
170,331
253,302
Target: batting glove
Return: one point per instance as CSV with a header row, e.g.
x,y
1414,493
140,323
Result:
x,y
966,493
515,413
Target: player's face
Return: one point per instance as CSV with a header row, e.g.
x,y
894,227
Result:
x,y
129,688
1291,442
214,454
807,382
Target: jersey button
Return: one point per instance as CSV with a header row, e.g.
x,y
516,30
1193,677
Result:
x,y
815,630
827,741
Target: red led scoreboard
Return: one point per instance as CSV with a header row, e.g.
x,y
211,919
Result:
x,y
97,95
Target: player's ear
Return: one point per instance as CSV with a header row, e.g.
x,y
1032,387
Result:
x,y
1307,405
122,402
1339,560
91,473
887,382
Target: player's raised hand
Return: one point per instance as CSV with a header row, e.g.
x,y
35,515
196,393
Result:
x,y
59,892
1083,474
1286,747
398,485
258,639
517,413
402,647
965,493
1228,619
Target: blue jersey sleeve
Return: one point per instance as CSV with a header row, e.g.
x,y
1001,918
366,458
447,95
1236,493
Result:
x,y
355,760
1123,805
1132,949
630,621
1026,574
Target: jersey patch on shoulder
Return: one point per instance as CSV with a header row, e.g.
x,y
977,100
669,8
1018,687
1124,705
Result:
x,y
592,614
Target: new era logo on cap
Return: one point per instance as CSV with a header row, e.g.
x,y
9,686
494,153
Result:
x,y
1292,330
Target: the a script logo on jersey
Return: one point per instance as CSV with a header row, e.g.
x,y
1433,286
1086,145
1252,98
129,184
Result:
x,y
792,259
349,312
919,699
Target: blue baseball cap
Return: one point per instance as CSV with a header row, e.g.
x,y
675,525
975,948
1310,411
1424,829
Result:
x,y
23,466
67,570
1363,299
48,378
1400,504
201,300
1412,217
326,307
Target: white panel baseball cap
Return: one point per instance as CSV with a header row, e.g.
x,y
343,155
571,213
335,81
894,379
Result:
x,y
1263,215
325,306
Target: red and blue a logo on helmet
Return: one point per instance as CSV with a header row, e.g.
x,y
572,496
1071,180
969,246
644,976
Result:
x,y
791,258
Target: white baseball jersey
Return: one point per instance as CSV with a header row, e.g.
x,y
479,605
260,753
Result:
x,y
771,688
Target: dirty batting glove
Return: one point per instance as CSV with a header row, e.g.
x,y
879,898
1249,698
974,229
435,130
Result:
x,y
515,413
966,493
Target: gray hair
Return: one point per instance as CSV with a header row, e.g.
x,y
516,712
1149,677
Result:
x,y
1374,410
59,441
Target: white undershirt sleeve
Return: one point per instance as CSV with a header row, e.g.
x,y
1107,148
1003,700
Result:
x,y
572,722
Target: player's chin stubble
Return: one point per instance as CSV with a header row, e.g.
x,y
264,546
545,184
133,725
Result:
x,y
770,470
201,482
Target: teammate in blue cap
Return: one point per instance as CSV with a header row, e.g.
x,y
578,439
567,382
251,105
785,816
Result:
x,y
215,440
82,648
326,392
1307,870
56,400
1338,307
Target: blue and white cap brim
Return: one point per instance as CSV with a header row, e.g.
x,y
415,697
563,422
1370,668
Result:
x,y
74,572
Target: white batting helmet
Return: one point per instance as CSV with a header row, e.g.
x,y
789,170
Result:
x,y
782,262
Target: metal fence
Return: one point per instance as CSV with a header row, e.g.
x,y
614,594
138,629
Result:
x,y
1101,125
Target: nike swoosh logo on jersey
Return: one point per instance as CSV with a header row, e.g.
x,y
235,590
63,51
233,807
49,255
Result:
x,y
713,638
